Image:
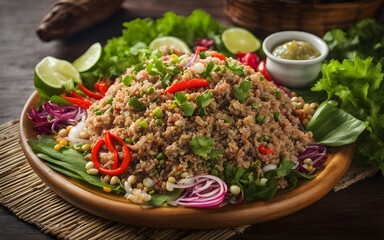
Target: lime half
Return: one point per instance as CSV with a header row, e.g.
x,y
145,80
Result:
x,y
172,42
89,58
52,74
238,39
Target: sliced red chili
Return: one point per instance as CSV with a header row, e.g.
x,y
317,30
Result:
x,y
218,55
95,151
249,59
265,150
75,95
103,88
89,93
180,86
96,86
84,103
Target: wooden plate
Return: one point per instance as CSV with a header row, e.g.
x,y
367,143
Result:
x,y
117,208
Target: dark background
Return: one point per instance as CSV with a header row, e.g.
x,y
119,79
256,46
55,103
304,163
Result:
x,y
354,213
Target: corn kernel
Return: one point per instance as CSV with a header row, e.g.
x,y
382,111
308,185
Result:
x,y
171,179
89,165
107,189
299,112
86,147
92,171
234,189
57,147
305,166
309,168
147,182
63,142
69,128
132,179
184,175
84,135
114,180
305,122
169,187
63,132
307,161
107,178
173,106
295,99
59,139
140,186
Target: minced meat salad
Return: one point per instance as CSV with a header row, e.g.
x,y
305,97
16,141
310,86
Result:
x,y
181,117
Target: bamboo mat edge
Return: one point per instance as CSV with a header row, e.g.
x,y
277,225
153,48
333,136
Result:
x,y
27,197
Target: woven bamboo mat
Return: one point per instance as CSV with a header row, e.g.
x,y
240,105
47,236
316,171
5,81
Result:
x,y
23,193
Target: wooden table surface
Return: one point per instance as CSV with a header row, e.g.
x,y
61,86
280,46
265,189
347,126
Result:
x,y
354,213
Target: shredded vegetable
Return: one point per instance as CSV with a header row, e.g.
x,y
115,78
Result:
x,y
316,152
51,117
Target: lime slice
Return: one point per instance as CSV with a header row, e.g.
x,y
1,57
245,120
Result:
x,y
238,39
51,74
89,58
173,42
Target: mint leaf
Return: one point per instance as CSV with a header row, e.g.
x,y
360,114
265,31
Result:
x,y
136,104
241,92
202,146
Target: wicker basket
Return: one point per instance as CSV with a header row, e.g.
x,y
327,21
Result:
x,y
267,16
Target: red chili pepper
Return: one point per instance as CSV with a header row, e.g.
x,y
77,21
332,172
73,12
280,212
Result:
x,y
265,150
84,103
89,93
108,141
96,86
263,70
75,95
103,88
218,55
180,86
249,59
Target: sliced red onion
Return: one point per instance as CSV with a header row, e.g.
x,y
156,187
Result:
x,y
268,167
198,49
206,191
316,152
238,199
61,117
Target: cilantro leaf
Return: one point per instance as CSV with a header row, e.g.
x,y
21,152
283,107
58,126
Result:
x,y
187,108
136,104
284,168
241,92
180,98
203,101
202,146
237,70
128,80
208,69
214,155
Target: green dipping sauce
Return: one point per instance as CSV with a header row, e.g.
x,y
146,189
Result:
x,y
296,50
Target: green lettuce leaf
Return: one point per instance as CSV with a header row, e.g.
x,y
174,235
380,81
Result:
x,y
334,127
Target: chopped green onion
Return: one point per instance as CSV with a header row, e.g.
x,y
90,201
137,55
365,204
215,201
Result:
x,y
158,113
255,105
223,70
276,116
158,122
110,100
278,93
97,112
262,78
49,117
142,92
150,90
142,124
260,118
160,156
227,120
128,141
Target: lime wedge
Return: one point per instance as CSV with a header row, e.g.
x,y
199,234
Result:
x,y
173,42
238,39
52,74
89,58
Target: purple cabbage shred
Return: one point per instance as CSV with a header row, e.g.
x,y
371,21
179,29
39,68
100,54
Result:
x,y
316,152
51,117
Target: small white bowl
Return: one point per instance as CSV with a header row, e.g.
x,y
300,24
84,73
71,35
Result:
x,y
294,73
